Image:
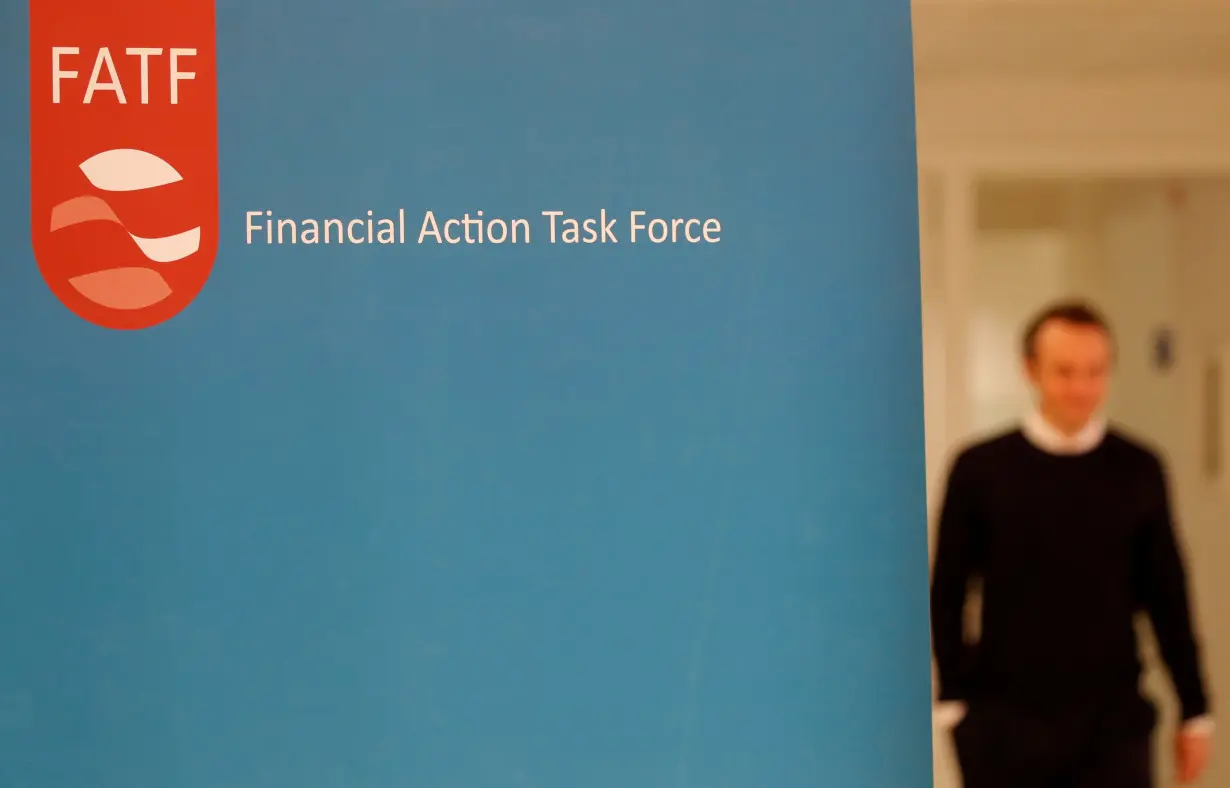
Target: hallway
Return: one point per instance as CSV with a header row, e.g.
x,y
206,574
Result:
x,y
1083,149
1152,254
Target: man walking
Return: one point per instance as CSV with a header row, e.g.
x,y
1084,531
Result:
x,y
1066,525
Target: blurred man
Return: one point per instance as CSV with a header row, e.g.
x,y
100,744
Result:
x,y
1066,525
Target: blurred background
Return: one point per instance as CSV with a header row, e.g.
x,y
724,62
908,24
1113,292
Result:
x,y
1082,148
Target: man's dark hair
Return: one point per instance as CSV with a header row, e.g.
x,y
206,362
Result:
x,y
1077,313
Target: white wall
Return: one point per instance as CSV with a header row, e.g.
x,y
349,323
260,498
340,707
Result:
x,y
1035,124
1140,293
1204,286
1014,272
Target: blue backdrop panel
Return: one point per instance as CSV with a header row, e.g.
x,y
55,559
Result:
x,y
548,516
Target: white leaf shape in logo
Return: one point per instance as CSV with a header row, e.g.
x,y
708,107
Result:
x,y
128,170
170,248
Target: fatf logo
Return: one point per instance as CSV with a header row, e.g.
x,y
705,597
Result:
x,y
124,156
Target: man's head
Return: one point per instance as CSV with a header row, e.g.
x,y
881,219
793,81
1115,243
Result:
x,y
1068,354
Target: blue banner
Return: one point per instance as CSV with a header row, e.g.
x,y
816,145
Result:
x,y
461,395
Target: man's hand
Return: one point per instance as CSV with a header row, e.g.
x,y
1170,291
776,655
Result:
x,y
948,714
1192,751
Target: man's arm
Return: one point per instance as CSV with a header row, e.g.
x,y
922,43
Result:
x,y
955,557
1165,595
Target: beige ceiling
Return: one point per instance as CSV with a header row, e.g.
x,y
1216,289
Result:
x,y
1070,37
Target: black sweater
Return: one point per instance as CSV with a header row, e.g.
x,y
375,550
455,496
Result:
x,y
1068,548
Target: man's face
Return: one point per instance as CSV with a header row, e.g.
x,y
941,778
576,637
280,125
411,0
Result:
x,y
1071,370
